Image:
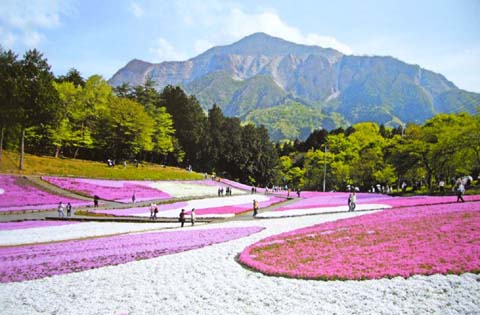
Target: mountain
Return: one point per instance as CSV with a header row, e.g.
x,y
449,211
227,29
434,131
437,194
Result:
x,y
293,89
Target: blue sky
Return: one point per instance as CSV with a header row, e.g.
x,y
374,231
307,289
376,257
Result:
x,y
100,37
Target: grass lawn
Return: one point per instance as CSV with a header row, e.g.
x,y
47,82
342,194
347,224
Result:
x,y
46,165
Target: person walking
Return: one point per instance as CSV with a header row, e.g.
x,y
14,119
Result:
x,y
61,214
460,192
352,201
181,217
441,186
69,209
155,211
152,208
95,201
193,216
255,208
133,198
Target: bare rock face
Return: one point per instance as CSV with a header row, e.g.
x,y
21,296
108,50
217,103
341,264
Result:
x,y
257,54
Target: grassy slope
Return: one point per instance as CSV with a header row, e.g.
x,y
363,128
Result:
x,y
44,165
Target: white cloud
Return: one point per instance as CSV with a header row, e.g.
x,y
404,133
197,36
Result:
x,y
137,10
164,51
269,22
202,45
32,38
7,39
233,23
26,19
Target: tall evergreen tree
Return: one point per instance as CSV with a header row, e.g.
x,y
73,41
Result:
x,y
73,76
38,98
188,121
9,74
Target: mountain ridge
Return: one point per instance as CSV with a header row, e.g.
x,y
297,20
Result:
x,y
260,72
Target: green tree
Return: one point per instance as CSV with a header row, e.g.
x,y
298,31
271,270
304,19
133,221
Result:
x,y
259,155
94,100
37,96
73,76
214,140
163,131
188,120
9,92
127,129
64,134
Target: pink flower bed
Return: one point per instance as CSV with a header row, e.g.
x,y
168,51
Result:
x,y
236,209
116,190
233,209
18,194
22,263
400,242
139,210
7,226
331,199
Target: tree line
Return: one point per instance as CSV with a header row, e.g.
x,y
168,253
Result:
x,y
86,118
367,154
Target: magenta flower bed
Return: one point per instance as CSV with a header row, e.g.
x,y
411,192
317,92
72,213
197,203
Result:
x,y
425,200
18,195
7,226
38,261
116,190
400,242
332,199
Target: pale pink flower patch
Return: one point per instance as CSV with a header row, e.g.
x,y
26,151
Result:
x,y
19,194
117,190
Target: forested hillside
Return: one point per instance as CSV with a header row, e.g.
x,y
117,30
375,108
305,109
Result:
x,y
69,116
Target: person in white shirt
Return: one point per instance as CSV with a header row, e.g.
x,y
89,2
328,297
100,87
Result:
x,y
193,217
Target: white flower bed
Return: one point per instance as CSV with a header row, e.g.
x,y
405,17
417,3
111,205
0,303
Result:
x,y
321,210
209,281
179,189
75,231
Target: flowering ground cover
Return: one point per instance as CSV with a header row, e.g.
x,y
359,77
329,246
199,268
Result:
x,y
181,189
402,242
208,207
80,230
320,202
190,281
8,226
19,194
116,190
22,263
328,199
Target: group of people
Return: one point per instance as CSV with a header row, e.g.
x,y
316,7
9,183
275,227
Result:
x,y
153,211
61,209
227,191
182,217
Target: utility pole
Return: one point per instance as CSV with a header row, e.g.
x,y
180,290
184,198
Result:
x,y
325,168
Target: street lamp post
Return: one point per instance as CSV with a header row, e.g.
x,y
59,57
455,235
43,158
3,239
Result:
x,y
325,168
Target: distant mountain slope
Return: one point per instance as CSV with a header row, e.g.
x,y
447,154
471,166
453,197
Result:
x,y
260,73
